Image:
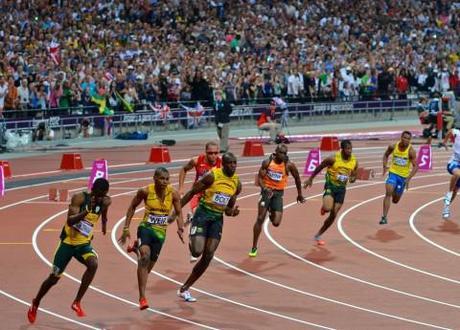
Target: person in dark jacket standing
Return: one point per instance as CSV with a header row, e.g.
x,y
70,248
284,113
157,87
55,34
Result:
x,y
222,111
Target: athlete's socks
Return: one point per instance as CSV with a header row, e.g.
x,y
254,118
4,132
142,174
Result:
x,y
448,198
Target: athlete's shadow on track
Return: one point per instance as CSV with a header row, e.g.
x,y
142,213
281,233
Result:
x,y
255,266
447,227
319,255
385,236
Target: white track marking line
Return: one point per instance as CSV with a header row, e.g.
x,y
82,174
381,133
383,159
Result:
x,y
59,316
359,246
416,231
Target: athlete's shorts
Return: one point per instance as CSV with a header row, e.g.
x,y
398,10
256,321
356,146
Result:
x,y
398,182
273,203
195,201
337,192
452,166
207,223
65,252
147,236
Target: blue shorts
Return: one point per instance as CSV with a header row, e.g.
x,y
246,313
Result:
x,y
451,167
398,182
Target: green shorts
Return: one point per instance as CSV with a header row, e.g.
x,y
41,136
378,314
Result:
x,y
207,223
147,236
337,192
65,252
273,203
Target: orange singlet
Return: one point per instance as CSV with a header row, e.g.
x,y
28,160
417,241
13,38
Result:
x,y
276,177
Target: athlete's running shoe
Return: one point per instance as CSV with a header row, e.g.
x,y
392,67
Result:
x,y
446,212
32,312
77,308
448,198
253,253
383,221
319,241
143,304
186,296
193,259
322,211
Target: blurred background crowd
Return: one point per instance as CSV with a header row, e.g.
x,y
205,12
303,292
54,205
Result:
x,y
61,54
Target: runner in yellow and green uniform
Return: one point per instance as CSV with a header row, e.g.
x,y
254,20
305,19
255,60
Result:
x,y
403,157
84,212
221,186
159,198
341,169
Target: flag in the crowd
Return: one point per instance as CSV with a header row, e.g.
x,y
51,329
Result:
x,y
54,52
108,76
194,115
102,102
161,112
126,105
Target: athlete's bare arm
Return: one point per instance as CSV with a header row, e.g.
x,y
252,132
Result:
x,y
298,183
140,196
183,171
232,210
178,212
413,160
74,215
354,172
263,173
328,162
387,154
105,207
199,186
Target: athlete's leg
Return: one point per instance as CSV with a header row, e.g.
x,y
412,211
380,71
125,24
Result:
x,y
91,268
261,214
329,220
389,190
276,217
144,266
201,266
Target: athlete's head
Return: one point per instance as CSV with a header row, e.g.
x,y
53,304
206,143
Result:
x,y
161,177
346,147
406,136
280,154
212,152
229,164
100,188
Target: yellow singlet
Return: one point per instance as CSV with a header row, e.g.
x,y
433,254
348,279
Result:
x,y
157,211
217,196
400,164
339,173
82,231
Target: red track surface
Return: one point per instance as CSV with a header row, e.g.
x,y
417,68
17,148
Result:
x,y
367,276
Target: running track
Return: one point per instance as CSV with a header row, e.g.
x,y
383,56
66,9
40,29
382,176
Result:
x,y
400,276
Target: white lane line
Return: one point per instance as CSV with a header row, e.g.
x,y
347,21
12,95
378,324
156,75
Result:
x,y
359,246
234,302
113,296
416,231
41,309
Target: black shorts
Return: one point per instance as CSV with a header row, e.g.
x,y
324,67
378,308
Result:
x,y
147,236
273,203
337,193
207,223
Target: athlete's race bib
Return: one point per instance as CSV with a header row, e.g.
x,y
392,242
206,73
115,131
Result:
x,y
84,227
157,219
221,199
457,156
342,178
400,161
275,176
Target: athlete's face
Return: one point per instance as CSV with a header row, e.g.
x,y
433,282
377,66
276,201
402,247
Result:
x,y
98,196
212,152
405,139
280,154
346,152
161,180
229,166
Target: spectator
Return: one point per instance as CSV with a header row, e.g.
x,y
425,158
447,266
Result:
x,y
222,111
266,121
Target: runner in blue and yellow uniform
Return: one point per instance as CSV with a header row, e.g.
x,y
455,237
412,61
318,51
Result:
x,y
221,186
159,198
403,156
341,169
84,212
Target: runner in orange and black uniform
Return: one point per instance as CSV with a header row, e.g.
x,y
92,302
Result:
x,y
273,180
85,209
160,198
202,164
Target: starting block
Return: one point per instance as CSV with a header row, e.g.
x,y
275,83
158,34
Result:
x,y
253,148
365,174
58,195
159,155
6,168
71,162
329,143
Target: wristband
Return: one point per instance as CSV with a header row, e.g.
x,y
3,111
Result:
x,y
126,229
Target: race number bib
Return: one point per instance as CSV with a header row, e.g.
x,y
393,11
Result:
x,y
157,219
221,199
275,176
400,161
84,227
342,178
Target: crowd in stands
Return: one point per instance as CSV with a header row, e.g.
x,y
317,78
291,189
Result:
x,y
61,53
